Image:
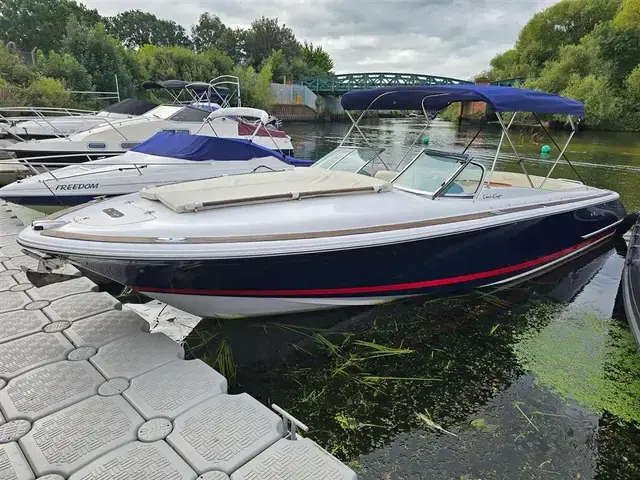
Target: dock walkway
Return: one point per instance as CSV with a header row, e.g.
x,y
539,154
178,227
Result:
x,y
87,393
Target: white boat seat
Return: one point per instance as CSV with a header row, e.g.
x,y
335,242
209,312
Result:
x,y
386,175
513,179
267,187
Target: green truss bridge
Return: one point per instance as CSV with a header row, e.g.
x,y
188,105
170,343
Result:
x,y
336,85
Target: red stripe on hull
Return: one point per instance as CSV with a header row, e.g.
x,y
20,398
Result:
x,y
385,288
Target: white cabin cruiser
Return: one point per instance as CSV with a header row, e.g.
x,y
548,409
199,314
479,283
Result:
x,y
316,238
198,116
28,123
163,159
115,138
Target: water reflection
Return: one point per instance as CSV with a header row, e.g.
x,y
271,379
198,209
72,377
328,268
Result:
x,y
603,159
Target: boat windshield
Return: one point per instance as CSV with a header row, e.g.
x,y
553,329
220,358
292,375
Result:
x,y
431,170
348,159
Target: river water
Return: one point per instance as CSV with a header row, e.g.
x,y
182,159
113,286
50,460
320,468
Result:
x,y
537,381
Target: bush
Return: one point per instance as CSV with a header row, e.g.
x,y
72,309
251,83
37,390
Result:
x,y
49,92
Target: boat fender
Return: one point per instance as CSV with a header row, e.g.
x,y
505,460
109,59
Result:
x,y
628,222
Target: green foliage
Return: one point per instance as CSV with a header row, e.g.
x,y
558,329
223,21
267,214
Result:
x,y
629,15
174,62
136,28
267,35
601,103
565,23
585,49
66,68
256,87
317,57
48,92
80,50
100,54
211,33
12,68
40,23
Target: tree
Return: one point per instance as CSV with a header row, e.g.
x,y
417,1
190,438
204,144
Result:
x,y
136,28
165,63
65,68
316,56
12,69
40,23
621,46
256,87
602,105
210,32
564,23
266,35
629,16
49,92
100,54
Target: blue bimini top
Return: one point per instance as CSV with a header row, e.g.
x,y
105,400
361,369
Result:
x,y
203,147
437,97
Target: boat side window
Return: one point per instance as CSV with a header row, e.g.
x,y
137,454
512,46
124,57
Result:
x,y
349,159
128,145
97,145
176,130
190,114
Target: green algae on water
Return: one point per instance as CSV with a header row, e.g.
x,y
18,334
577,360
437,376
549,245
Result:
x,y
586,358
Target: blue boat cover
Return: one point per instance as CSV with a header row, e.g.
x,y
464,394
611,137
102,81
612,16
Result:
x,y
202,147
437,97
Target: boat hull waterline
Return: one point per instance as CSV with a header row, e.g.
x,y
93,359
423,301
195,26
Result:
x,y
273,284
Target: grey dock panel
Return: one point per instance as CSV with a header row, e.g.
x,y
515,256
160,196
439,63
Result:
x,y
13,465
225,432
59,290
10,301
79,375
138,461
48,389
80,306
98,330
19,323
6,281
301,459
27,353
173,388
134,355
71,438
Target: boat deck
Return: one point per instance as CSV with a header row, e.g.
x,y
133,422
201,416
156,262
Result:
x,y
86,392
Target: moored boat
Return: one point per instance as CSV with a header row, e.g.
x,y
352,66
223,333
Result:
x,y
341,233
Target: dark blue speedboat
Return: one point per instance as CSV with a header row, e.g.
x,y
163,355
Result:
x,y
330,236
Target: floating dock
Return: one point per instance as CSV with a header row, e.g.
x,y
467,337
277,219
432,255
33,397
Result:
x,y
87,393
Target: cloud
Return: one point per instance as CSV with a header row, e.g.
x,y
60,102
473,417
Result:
x,y
454,38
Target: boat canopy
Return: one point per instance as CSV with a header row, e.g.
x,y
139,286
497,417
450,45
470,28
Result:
x,y
131,106
203,147
437,97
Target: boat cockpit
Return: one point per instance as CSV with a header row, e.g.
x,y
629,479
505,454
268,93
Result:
x,y
436,173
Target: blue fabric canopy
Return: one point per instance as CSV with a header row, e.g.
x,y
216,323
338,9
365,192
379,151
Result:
x,y
437,97
202,147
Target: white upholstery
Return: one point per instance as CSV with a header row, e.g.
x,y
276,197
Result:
x,y
512,179
386,175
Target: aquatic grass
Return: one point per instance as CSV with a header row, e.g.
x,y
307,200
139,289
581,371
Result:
x,y
426,419
224,360
517,405
587,358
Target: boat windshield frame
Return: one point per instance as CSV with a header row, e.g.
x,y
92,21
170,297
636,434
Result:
x,y
505,126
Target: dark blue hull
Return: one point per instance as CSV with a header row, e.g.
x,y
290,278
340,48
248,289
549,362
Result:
x,y
436,265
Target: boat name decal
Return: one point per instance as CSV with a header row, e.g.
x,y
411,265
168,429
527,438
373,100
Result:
x,y
492,195
78,186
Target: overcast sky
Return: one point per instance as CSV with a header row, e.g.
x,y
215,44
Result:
x,y
454,38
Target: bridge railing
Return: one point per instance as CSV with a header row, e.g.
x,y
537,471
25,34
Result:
x,y
341,84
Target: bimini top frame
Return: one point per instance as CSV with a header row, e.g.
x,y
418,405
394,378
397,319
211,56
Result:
x,y
435,98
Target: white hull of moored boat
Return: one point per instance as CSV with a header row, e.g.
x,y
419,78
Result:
x,y
245,307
